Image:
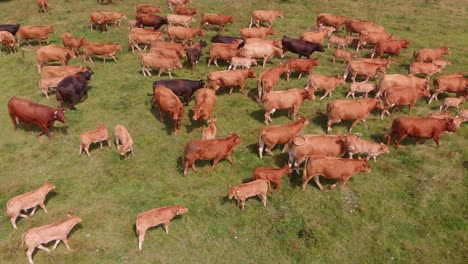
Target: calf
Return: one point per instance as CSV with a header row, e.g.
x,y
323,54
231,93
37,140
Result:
x,y
212,149
103,49
419,128
391,47
402,96
37,236
442,63
346,55
273,175
149,60
205,100
454,83
48,83
301,66
357,110
268,79
220,20
269,16
452,102
73,43
184,34
341,41
26,201
8,40
269,137
94,136
170,104
154,217
181,87
291,99
250,189
327,83
229,79
123,140
356,145
97,19
260,32
179,10
38,33
43,6
259,50
357,87
53,53
425,68
245,63
194,52
300,47
210,131
324,19
429,55
174,20
150,20
332,168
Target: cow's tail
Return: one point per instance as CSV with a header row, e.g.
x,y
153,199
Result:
x,y
22,240
346,73
269,186
304,172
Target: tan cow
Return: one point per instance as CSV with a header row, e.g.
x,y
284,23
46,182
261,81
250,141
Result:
x,y
228,78
345,55
73,43
168,53
210,131
275,42
245,63
341,41
357,110
179,20
106,50
147,9
315,37
429,55
372,38
48,83
324,19
269,16
180,10
442,63
358,87
290,99
98,19
209,149
8,40
143,36
268,79
356,145
175,3
390,47
392,80
150,60
273,175
453,83
250,189
184,34
223,51
269,137
258,50
43,6
94,136
332,168
168,45
123,140
356,26
51,53
154,217
301,66
425,68
205,101
114,17
170,104
402,96
220,20
327,83
452,102
38,33
366,69
62,71
26,201
260,32
38,236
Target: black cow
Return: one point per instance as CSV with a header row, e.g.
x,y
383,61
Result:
x,y
181,87
301,47
194,52
73,89
10,28
149,20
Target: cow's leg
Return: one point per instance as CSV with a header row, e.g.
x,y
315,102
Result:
x,y
100,144
56,244
317,181
114,59
261,145
215,161
109,142
354,124
194,168
29,254
42,205
87,151
141,238
278,184
33,211
65,241
269,148
343,182
13,222
399,138
242,204
436,139
264,199
330,123
304,182
230,159
40,246
325,95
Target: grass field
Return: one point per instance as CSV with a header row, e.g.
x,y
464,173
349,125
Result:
x,y
412,207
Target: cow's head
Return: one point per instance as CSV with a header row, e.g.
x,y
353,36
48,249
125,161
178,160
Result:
x,y
71,54
199,32
303,120
250,74
198,112
287,169
235,139
404,44
446,51
340,79
365,167
384,148
320,48
203,43
50,29
450,125
117,46
279,13
424,92
75,219
231,19
271,31
233,191
348,142
181,210
59,115
310,94
101,126
49,186
201,83
87,74
123,149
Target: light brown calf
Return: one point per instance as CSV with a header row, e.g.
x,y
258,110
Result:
x,y
356,145
327,83
98,135
179,20
48,83
452,102
8,40
210,131
150,60
357,110
301,66
250,189
358,87
265,16
245,63
170,104
123,140
345,55
73,43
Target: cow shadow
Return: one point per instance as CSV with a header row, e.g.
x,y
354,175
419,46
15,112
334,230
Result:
x,y
169,128
320,120
258,115
252,94
224,200
197,125
280,159
35,130
253,148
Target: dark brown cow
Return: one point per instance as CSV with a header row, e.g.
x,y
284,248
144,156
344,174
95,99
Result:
x,y
274,175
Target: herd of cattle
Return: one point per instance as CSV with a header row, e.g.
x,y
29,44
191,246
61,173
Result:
x,y
321,154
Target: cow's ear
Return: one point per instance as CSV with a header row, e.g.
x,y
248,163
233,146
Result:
x,y
237,191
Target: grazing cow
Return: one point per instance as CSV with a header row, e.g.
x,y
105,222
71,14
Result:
x,y
315,145
356,26
39,236
8,40
231,79
154,217
97,19
38,33
452,102
176,3
205,100
273,175
392,80
402,96
100,134
223,51
48,83
301,47
211,149
268,79
419,128
181,87
301,66
259,50
43,6
114,17
179,20
106,50
184,34
356,145
170,104
123,140
73,89
357,87
366,69
147,9
194,52
290,99
250,189
429,55
372,38
12,28
150,20
269,16
357,110
62,71
220,20
143,36
245,63
260,32
51,53
391,47
454,83
26,201
269,137
327,83
210,131
332,168
324,19
73,43
346,55
180,10
425,68
23,110
150,60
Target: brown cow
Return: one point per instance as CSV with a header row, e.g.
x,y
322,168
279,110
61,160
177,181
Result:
x,y
332,168
170,104
442,63
268,79
356,26
290,99
43,6
357,87
179,47
243,191
150,60
402,96
98,19
425,68
452,102
143,36
23,110
48,83
275,42
209,149
260,32
179,20
123,140
184,34
273,175
327,83
372,38
223,51
205,100
391,47
104,49
154,217
356,145
228,78
259,50
319,36
269,16
345,55
8,40
94,136
37,236
73,43
210,131
454,83
38,33
220,20
366,69
357,110
62,71
26,201
269,137
301,66
419,128
51,53
341,41
114,17
176,3
392,80
324,19
168,53
147,9
429,55
179,10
